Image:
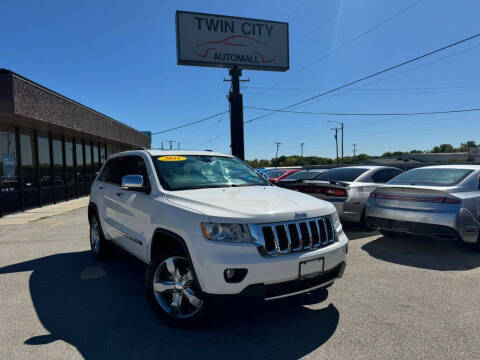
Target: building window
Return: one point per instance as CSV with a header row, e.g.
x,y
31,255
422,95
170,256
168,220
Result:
x,y
44,159
29,168
8,156
58,171
70,181
103,155
88,162
80,167
27,147
9,181
96,160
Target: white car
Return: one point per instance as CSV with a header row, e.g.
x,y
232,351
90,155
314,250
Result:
x,y
209,226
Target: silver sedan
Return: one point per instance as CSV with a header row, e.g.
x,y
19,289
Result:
x,y
348,188
437,201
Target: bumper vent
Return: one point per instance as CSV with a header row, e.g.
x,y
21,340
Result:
x,y
286,237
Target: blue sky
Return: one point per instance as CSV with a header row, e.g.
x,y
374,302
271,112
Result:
x,y
119,57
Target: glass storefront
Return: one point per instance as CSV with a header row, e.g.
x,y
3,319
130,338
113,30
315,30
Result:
x,y
39,168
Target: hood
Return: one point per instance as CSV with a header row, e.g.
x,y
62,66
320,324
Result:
x,y
253,204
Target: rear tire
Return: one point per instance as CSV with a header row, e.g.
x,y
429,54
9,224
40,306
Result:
x,y
365,225
98,244
173,291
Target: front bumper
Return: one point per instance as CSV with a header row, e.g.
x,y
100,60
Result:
x,y
211,259
260,292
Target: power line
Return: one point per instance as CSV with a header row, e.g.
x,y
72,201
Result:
x,y
371,75
405,71
364,114
191,123
471,87
340,47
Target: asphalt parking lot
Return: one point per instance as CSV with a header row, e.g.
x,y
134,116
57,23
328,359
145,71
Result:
x,y
401,298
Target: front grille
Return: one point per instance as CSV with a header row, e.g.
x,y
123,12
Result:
x,y
291,236
294,286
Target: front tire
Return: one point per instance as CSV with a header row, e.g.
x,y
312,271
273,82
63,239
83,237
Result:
x,y
173,290
98,244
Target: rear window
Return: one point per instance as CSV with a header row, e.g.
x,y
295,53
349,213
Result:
x,y
341,174
431,177
303,175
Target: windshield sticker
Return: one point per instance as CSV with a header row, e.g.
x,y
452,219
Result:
x,y
172,158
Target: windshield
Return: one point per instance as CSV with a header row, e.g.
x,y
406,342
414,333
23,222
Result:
x,y
431,177
273,174
303,175
341,174
204,171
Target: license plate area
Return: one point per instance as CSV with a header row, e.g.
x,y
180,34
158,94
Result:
x,y
310,268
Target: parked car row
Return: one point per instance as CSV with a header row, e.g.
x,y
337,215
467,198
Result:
x,y
438,201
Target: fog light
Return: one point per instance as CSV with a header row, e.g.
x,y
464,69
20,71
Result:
x,y
229,273
234,275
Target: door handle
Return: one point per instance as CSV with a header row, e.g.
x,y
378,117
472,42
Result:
x,y
119,194
100,188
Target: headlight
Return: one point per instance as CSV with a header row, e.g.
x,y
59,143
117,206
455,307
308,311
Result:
x,y
336,221
237,233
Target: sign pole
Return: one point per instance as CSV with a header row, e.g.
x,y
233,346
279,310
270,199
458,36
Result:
x,y
236,114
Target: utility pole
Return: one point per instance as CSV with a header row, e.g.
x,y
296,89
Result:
x,y
276,153
178,145
342,143
235,98
170,142
336,141
341,129
162,145
354,149
301,147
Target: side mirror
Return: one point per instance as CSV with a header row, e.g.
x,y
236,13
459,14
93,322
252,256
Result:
x,y
133,182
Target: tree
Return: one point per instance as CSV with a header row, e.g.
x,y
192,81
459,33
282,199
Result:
x,y
443,148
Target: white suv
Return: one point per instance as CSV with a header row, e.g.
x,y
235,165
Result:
x,y
209,227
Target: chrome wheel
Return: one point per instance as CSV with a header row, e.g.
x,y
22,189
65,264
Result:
x,y
95,235
175,288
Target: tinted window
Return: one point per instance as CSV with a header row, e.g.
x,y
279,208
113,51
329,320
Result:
x,y
115,169
112,172
382,176
303,175
341,174
28,159
432,177
44,159
135,165
58,160
69,161
205,171
88,162
80,167
274,173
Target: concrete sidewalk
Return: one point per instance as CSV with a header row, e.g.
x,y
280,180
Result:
x,y
45,212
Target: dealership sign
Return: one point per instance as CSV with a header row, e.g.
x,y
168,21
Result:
x,y
227,41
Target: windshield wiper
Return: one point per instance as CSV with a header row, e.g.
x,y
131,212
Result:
x,y
241,185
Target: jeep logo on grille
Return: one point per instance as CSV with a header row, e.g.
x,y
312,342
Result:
x,y
300,215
